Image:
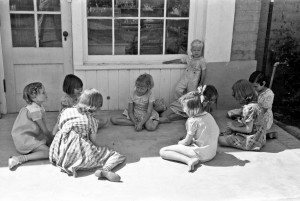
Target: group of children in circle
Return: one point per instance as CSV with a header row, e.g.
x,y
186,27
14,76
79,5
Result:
x,y
72,144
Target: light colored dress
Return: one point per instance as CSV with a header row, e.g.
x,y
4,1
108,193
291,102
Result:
x,y
26,133
72,149
254,140
205,132
67,101
265,100
140,106
191,75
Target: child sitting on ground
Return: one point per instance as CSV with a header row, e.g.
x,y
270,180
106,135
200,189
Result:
x,y
175,111
265,99
195,73
74,146
30,133
200,143
248,133
140,112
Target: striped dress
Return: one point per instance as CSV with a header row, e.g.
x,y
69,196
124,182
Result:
x,y
72,149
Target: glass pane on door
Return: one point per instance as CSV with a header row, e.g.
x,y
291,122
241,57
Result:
x,y
126,8
18,5
49,30
22,28
99,8
48,5
152,8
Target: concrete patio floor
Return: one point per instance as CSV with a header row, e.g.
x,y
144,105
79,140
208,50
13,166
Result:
x,y
273,174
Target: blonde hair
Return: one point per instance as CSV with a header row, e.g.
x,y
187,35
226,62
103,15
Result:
x,y
244,92
197,43
31,90
89,101
192,101
145,79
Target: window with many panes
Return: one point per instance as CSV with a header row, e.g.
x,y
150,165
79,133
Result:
x,y
137,27
35,23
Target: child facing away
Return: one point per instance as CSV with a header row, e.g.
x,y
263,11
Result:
x,y
195,73
140,112
248,133
74,146
265,97
30,133
201,141
72,87
175,111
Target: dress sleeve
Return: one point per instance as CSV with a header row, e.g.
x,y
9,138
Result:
x,y
249,113
191,127
36,115
267,100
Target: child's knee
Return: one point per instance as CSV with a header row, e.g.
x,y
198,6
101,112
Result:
x,y
151,126
113,120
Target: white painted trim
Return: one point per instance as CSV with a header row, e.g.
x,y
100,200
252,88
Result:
x,y
77,31
2,94
219,30
128,66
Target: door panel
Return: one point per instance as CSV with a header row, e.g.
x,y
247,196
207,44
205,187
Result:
x,y
34,48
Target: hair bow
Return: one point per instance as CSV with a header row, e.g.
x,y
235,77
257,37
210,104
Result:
x,y
201,89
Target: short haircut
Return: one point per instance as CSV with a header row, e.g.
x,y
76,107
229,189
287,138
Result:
x,y
192,101
146,79
71,82
259,77
89,101
31,90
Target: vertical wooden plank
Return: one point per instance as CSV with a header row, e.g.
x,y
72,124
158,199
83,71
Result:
x,y
113,90
102,86
175,76
165,85
81,75
124,88
133,76
156,78
91,79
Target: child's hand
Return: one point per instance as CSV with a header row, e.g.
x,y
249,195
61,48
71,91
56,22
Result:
x,y
138,127
183,142
230,125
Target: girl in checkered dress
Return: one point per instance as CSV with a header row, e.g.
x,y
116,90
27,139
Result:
x,y
74,147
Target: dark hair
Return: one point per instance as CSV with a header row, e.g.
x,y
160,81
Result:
x,y
244,92
145,79
259,77
210,92
31,90
89,101
71,82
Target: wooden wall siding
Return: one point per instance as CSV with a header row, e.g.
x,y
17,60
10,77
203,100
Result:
x,y
115,85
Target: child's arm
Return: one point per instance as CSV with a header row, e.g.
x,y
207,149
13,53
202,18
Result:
x,y
130,113
187,140
247,128
44,129
175,61
203,75
148,114
55,129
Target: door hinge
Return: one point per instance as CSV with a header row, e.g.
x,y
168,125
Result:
x,y
4,85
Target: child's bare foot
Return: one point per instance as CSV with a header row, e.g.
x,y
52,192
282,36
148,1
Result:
x,y
111,176
192,163
13,161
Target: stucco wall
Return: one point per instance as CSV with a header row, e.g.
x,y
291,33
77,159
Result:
x,y
245,29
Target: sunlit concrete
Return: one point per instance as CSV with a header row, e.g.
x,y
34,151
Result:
x,y
271,174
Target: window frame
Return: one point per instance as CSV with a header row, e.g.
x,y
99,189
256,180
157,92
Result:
x,y
140,59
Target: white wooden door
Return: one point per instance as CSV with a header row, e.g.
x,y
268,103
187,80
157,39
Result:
x,y
34,48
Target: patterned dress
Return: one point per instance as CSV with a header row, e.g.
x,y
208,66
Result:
x,y
191,75
140,106
205,132
26,133
265,100
72,149
254,140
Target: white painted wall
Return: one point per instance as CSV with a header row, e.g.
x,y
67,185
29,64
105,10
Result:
x,y
2,94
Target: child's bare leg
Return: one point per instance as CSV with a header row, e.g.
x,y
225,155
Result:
x,y
121,120
42,152
180,153
102,122
151,124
